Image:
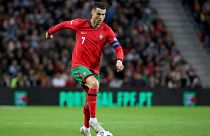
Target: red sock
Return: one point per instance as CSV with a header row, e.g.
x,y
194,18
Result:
x,y
86,115
92,99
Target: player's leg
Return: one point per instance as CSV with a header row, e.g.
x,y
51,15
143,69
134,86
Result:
x,y
85,129
86,109
90,82
79,73
93,85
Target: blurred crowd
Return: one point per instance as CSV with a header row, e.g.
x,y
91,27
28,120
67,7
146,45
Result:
x,y
27,59
200,10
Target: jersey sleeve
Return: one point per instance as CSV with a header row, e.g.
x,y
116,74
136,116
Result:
x,y
116,45
72,24
111,35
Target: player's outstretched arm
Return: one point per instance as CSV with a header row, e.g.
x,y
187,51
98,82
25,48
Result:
x,y
72,24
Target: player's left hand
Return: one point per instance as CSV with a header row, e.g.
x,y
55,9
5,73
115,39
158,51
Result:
x,y
119,65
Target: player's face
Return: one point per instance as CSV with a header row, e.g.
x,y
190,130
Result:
x,y
98,16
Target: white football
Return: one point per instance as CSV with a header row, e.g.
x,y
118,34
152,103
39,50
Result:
x,y
104,133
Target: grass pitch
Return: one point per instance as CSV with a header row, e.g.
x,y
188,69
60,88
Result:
x,y
153,121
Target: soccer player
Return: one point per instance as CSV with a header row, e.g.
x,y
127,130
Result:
x,y
91,37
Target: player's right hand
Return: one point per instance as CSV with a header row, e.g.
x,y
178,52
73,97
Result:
x,y
48,36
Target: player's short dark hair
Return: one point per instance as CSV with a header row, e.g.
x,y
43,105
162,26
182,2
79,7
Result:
x,y
98,5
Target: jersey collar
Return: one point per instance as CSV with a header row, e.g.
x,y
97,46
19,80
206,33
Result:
x,y
92,26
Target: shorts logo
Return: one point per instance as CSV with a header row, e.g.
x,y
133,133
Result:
x,y
84,73
100,36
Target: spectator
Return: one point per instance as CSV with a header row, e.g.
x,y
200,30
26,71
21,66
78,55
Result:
x,y
58,81
151,58
200,10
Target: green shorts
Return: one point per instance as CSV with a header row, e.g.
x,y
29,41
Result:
x,y
80,73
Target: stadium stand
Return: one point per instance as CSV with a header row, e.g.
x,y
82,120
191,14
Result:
x,y
200,10
27,59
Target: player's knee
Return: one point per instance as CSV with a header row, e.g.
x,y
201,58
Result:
x,y
94,84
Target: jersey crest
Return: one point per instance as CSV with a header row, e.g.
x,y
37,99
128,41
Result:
x,y
101,36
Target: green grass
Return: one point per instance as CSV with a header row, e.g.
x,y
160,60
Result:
x,y
154,121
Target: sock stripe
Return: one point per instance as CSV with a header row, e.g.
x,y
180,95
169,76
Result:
x,y
89,94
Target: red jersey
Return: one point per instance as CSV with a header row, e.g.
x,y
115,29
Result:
x,y
89,42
